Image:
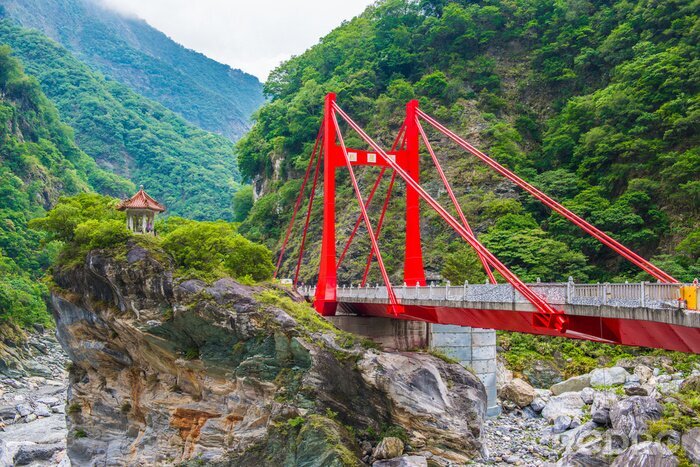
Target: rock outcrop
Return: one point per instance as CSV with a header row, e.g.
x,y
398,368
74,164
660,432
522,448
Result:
x,y
166,371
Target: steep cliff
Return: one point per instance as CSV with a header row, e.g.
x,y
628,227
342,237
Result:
x,y
171,371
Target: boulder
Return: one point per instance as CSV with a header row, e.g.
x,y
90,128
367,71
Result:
x,y
691,384
538,404
630,416
31,453
646,454
561,424
614,376
403,461
644,373
691,444
581,459
574,384
600,409
569,403
236,373
388,448
632,389
543,374
587,394
519,392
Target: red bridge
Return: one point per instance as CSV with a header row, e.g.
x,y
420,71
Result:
x,y
661,314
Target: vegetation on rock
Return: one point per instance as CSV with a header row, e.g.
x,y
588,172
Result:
x,y
202,250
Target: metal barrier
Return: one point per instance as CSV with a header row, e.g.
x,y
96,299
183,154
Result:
x,y
635,295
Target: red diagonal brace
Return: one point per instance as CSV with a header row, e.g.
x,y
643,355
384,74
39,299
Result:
x,y
549,202
462,217
379,226
297,203
393,303
552,317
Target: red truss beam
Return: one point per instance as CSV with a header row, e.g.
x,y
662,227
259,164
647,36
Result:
x,y
462,217
555,206
306,221
298,202
393,303
547,316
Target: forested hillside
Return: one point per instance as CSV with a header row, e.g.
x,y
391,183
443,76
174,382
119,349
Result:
x,y
39,162
207,93
193,172
595,102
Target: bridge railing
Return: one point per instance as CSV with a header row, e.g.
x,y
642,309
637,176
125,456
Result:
x,y
640,294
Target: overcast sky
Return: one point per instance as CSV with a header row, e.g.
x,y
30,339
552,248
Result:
x,y
253,35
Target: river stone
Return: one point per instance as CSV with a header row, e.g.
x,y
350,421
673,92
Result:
x,y
403,461
569,403
691,444
631,416
646,454
388,448
587,394
519,392
644,373
543,374
608,376
42,410
574,384
600,409
538,404
24,409
30,453
561,424
691,384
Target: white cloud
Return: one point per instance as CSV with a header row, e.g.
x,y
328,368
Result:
x,y
254,36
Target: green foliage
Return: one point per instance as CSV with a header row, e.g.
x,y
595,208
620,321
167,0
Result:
x,y
191,171
39,161
209,250
595,103
128,50
242,203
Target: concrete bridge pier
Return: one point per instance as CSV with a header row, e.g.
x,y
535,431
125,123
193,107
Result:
x,y
474,348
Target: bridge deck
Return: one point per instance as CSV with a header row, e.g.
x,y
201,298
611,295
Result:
x,y
641,314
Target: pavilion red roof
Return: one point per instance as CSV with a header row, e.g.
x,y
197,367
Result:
x,y
141,200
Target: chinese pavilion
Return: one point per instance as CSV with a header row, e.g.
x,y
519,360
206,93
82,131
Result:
x,y
141,212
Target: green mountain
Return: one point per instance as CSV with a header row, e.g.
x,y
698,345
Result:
x,y
207,93
597,103
39,161
192,171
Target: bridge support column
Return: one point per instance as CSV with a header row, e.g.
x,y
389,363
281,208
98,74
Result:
x,y
474,348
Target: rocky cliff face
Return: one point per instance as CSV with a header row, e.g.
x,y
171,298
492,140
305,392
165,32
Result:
x,y
166,372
